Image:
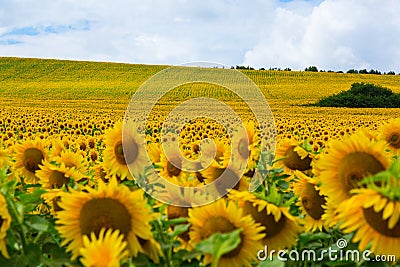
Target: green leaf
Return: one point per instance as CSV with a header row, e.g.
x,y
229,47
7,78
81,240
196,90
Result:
x,y
37,223
274,263
283,184
174,221
31,257
57,255
219,244
179,229
311,237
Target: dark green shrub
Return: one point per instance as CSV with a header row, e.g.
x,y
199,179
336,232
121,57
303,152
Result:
x,y
311,68
362,95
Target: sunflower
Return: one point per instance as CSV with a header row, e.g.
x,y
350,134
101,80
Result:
x,y
74,162
292,157
221,149
225,177
223,217
120,162
154,151
375,218
53,176
100,173
390,132
57,146
310,201
71,160
347,163
281,228
245,145
172,168
183,196
330,216
93,156
110,206
179,202
5,222
29,155
52,198
107,250
4,160
91,141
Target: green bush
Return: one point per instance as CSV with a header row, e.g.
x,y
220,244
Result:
x,y
362,95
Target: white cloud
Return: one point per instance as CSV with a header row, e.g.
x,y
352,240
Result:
x,y
338,34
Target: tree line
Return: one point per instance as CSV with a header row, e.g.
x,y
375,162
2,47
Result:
x,y
315,69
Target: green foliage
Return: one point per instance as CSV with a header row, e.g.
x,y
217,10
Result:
x,y
311,68
219,244
32,238
244,67
362,95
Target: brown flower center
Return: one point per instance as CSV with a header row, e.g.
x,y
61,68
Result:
x,y
70,165
293,161
220,224
272,227
243,148
312,201
104,212
355,166
91,143
57,179
32,158
128,154
55,202
177,212
394,140
374,219
225,177
172,169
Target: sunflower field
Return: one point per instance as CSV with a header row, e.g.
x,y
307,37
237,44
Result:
x,y
331,196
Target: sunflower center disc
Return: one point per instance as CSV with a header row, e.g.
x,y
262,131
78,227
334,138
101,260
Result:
x,y
177,212
355,166
104,212
312,201
127,156
243,148
272,227
225,176
374,219
293,161
172,169
55,202
70,165
32,158
220,225
394,140
57,179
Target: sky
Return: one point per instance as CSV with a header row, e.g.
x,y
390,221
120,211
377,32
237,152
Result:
x,y
330,34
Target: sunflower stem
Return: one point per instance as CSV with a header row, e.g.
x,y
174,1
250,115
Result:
x,y
37,238
165,241
215,262
19,221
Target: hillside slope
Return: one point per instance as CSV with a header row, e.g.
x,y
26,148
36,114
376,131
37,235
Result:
x,y
77,80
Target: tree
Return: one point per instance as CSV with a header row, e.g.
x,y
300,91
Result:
x,y
311,68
